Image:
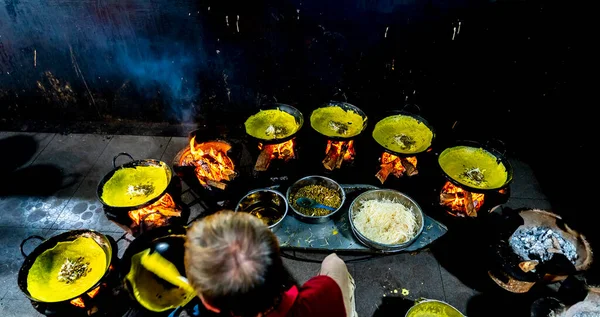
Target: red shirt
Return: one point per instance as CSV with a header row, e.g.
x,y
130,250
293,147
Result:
x,y
319,296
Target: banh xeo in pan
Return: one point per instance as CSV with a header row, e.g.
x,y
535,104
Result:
x,y
67,270
337,122
271,124
135,185
474,167
403,134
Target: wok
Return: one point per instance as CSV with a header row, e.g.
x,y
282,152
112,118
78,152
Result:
x,y
168,241
345,106
47,244
288,109
413,114
154,196
471,145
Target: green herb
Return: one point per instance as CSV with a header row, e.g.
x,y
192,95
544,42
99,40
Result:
x,y
72,270
405,141
323,195
475,175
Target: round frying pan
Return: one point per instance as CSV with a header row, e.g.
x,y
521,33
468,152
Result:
x,y
47,244
152,197
288,109
168,241
395,114
465,156
345,106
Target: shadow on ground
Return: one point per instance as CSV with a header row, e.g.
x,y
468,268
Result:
x,y
31,180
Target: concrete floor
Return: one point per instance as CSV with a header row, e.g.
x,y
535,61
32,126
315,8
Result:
x,y
78,161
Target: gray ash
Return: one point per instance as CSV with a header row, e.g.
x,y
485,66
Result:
x,y
541,243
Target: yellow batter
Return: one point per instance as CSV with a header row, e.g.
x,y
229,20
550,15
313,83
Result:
x,y
42,280
156,282
271,124
433,309
403,134
134,186
474,167
333,121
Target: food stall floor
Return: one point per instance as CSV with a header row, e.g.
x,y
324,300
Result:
x,y
49,186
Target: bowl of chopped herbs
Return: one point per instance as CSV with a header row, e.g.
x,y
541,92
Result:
x,y
327,198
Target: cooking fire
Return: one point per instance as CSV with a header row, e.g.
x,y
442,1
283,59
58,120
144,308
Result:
x,y
460,202
212,165
281,151
338,152
397,166
155,215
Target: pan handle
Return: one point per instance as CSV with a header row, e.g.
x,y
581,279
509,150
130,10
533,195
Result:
x,y
121,154
416,109
497,145
25,241
339,95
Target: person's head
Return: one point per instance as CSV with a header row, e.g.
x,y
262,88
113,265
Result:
x,y
232,260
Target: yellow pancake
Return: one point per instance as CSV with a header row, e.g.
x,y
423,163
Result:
x,y
334,121
42,280
156,282
433,309
403,134
271,124
464,163
133,186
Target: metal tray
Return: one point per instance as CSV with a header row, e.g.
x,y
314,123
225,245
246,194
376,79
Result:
x,y
336,234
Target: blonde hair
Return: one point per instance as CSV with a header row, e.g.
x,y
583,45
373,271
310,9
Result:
x,y
232,260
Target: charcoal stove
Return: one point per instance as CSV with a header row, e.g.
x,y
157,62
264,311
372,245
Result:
x,y
215,170
167,209
460,199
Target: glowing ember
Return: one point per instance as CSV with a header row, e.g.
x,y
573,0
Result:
x,y
338,152
460,202
212,165
397,166
282,151
78,302
155,215
94,292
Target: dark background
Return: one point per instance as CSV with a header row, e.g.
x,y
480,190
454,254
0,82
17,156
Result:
x,y
516,71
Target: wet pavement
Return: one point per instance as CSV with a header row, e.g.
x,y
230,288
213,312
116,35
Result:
x,y
50,187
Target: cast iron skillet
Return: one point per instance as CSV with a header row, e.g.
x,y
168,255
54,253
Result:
x,y
415,114
285,108
499,158
345,106
134,163
169,241
30,258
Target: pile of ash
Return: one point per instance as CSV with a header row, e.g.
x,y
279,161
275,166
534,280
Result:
x,y
541,243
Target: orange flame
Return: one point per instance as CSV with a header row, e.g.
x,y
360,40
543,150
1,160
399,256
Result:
x,y
282,151
77,302
392,164
339,146
156,214
461,202
210,161
94,292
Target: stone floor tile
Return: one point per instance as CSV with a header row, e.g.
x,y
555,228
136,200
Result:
x,y
84,210
30,145
60,168
11,258
17,308
386,276
175,145
140,147
457,293
524,184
